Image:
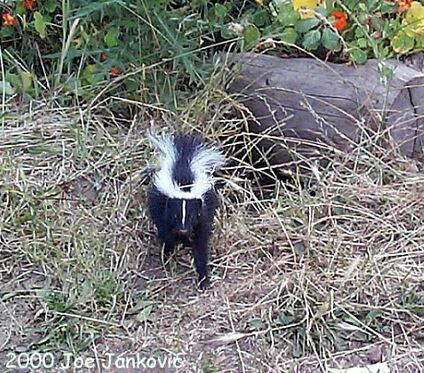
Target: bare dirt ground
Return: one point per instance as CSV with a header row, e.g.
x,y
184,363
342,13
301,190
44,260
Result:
x,y
304,279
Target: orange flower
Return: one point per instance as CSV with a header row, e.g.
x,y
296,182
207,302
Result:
x,y
403,5
29,4
8,20
115,71
341,20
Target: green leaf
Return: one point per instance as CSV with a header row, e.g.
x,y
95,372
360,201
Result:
x,y
358,56
220,10
20,9
40,149
372,316
419,41
7,88
323,12
362,42
284,319
6,32
363,17
251,34
144,315
362,7
304,25
131,84
27,80
377,23
72,85
111,37
256,323
402,43
382,52
387,71
330,39
15,81
278,3
39,24
311,40
226,33
260,18
50,5
287,16
47,18
359,33
89,74
289,35
387,7
372,5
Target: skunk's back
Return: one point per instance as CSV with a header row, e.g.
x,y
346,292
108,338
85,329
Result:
x,y
186,147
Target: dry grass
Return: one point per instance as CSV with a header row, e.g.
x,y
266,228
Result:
x,y
304,277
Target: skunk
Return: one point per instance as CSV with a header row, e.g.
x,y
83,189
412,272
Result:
x,y
182,200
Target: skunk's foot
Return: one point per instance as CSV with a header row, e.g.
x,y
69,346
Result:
x,y
204,283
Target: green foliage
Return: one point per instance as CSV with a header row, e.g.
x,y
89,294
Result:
x,y
330,39
40,25
312,39
72,46
251,35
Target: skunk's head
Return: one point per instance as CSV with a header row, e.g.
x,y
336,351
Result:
x,y
185,176
182,216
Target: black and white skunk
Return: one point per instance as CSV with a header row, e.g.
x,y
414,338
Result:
x,y
182,201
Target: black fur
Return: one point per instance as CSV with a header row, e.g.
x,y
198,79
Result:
x,y
185,146
166,212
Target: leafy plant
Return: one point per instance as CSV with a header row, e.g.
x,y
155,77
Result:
x,y
163,48
73,46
